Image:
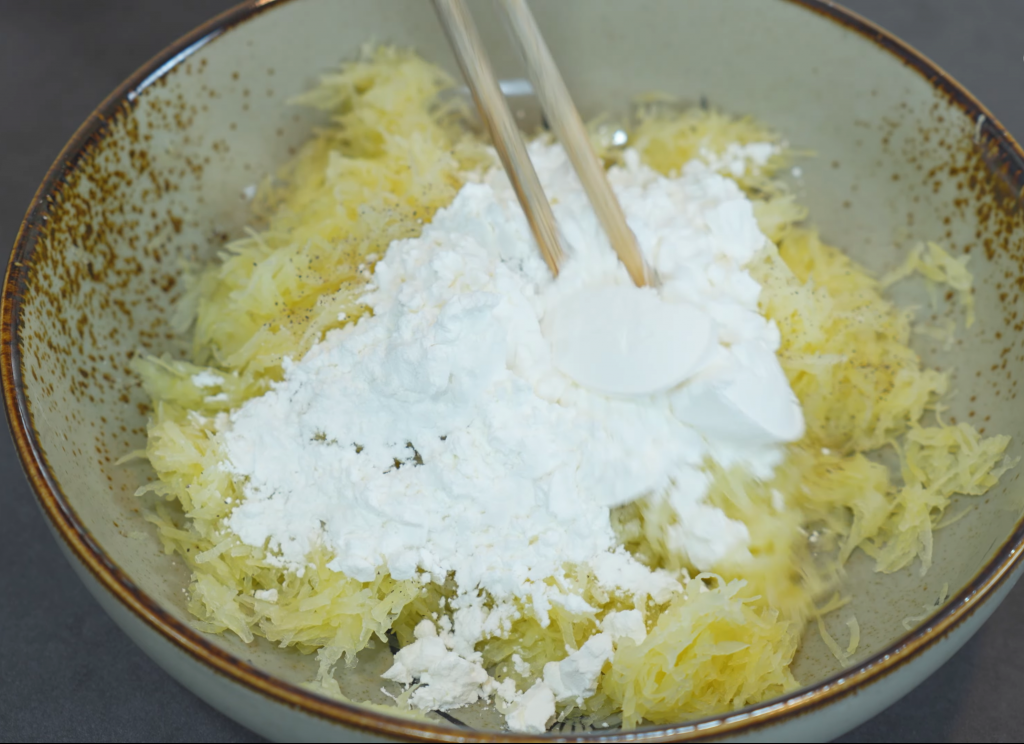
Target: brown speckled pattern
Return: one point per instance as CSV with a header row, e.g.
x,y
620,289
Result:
x,y
153,181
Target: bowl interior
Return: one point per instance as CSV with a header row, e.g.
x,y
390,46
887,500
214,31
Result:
x,y
160,184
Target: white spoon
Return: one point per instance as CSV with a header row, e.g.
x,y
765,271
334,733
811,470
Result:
x,y
624,340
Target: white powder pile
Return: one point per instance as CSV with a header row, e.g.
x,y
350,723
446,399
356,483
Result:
x,y
440,436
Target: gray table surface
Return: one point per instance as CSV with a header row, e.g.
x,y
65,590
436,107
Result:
x,y
67,673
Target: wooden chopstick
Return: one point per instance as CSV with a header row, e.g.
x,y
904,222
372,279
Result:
x,y
476,67
569,128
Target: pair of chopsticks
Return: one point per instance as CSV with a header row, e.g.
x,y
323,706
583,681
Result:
x,y
564,119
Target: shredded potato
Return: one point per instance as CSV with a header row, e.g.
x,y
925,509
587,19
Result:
x,y
933,262
390,158
711,650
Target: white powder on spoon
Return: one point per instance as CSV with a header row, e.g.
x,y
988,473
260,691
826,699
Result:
x,y
439,436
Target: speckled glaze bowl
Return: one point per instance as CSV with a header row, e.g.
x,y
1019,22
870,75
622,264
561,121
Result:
x,y
154,179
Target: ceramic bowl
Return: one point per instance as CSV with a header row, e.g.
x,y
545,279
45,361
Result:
x,y
154,179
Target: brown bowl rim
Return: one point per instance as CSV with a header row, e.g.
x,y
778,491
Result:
x,y
80,543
